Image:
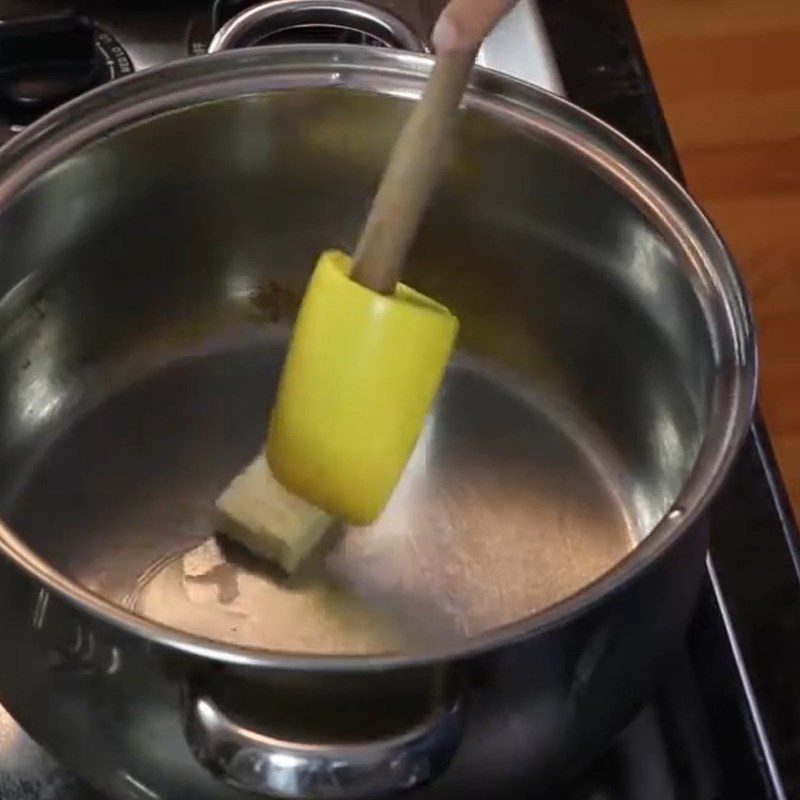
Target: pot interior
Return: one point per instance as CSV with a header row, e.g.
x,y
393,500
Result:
x,y
150,282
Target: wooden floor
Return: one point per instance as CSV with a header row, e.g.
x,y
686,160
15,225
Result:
x,y
728,74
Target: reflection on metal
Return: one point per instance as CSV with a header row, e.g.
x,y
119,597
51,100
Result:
x,y
258,762
139,790
40,608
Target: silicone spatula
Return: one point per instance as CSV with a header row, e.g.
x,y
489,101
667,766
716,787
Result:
x,y
367,354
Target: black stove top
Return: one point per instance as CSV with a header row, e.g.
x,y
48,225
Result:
x,y
725,724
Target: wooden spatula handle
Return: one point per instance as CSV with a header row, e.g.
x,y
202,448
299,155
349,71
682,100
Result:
x,y
411,175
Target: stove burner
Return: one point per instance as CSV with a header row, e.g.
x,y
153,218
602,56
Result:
x,y
314,21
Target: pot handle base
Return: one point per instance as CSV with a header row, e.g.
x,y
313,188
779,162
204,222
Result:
x,y
275,767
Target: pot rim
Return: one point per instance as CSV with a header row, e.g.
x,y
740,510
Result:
x,y
534,111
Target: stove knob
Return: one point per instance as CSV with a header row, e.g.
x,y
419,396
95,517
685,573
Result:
x,y
47,56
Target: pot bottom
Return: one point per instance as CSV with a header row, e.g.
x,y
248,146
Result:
x,y
505,507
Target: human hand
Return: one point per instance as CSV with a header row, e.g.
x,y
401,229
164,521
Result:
x,y
464,24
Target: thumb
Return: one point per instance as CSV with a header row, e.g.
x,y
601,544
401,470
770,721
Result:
x,y
464,24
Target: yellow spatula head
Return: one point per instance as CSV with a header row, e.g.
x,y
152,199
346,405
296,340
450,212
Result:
x,y
361,374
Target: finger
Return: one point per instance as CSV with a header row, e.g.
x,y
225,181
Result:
x,y
464,24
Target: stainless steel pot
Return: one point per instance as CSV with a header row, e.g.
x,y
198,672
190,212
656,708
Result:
x,y
155,237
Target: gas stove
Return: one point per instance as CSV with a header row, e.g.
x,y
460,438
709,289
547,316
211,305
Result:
x,y
725,723
52,51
